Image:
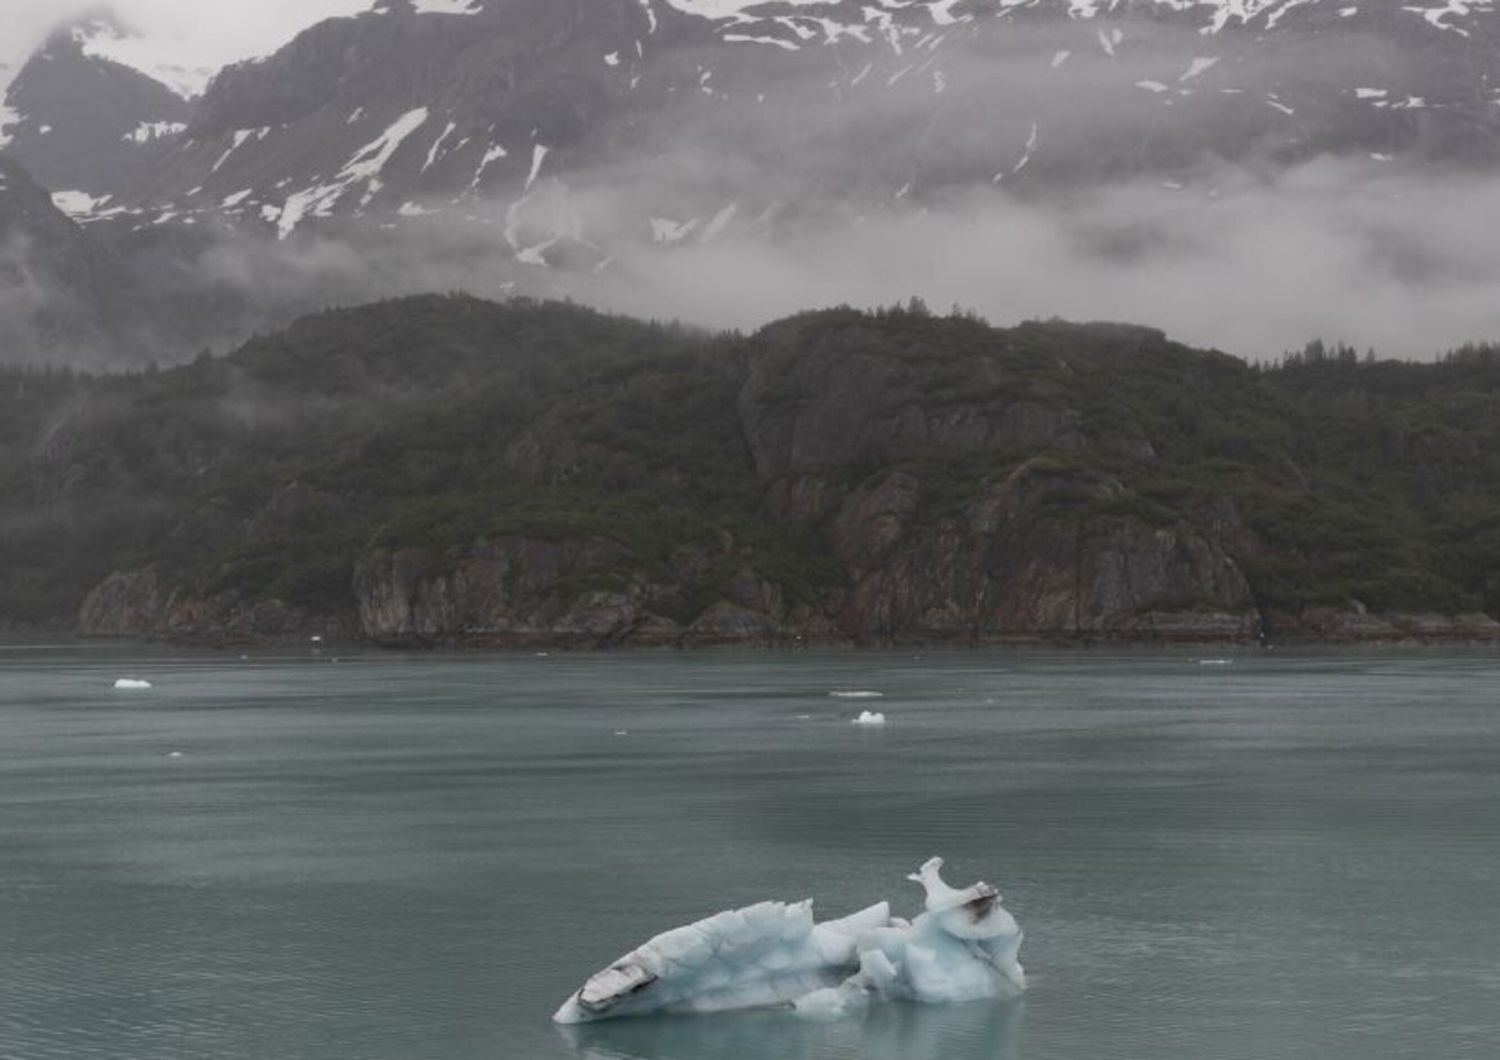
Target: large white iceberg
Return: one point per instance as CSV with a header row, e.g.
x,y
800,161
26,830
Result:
x,y
964,947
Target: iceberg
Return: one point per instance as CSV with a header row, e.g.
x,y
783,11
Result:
x,y
870,717
963,947
131,684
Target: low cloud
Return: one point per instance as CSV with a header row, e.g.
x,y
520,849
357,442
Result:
x,y
1255,266
209,33
812,194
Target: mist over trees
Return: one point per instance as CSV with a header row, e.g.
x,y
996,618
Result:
x,y
432,423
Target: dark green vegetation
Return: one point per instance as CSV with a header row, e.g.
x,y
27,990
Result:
x,y
439,422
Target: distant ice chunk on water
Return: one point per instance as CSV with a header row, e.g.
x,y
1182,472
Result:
x,y
131,684
857,695
870,717
963,947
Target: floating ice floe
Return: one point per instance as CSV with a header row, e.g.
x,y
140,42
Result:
x,y
869,717
131,684
1215,662
964,947
857,695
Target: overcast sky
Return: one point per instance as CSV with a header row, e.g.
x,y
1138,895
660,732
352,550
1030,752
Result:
x,y
192,32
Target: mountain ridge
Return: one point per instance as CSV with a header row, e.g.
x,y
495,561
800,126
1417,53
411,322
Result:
x,y
453,71
563,147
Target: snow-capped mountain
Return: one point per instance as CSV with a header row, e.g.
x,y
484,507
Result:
x,y
557,131
84,123
432,105
102,36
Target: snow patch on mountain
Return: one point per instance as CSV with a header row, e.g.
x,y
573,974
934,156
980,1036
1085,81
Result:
x,y
493,154
369,160
437,146
539,154
666,230
894,19
720,222
77,203
147,131
1438,15
240,136
447,7
746,38
1198,68
365,165
9,119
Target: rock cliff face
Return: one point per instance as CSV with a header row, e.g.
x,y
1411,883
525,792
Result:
x,y
510,591
1008,567
138,604
855,400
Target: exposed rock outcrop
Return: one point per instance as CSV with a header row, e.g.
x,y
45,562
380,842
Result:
x,y
854,401
511,592
1010,567
138,604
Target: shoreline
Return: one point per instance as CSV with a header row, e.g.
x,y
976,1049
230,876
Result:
x,y
13,641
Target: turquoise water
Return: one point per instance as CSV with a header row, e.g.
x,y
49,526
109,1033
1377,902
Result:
x,y
421,857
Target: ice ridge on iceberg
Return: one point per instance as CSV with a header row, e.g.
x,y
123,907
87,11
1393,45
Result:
x,y
963,947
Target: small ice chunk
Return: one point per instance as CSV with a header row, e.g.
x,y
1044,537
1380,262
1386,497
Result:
x,y
131,684
869,717
857,695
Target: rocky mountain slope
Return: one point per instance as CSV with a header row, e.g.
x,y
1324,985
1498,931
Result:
x,y
435,471
432,107
84,124
543,146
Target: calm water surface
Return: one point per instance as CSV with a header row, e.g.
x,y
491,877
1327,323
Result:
x,y
418,858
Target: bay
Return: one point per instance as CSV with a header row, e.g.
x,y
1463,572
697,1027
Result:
x,y
420,856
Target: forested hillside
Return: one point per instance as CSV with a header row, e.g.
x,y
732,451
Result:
x,y
443,469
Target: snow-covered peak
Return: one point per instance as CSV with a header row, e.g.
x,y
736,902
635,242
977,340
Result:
x,y
104,37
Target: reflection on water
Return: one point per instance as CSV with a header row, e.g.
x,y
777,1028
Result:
x,y
981,1031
